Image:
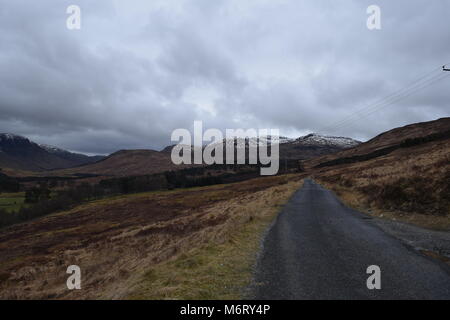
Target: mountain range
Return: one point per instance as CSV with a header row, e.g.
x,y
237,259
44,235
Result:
x,y
17,152
387,142
20,153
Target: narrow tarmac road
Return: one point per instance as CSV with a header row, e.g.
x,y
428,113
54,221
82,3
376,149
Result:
x,y
320,249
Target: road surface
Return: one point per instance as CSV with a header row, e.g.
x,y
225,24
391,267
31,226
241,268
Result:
x,y
320,249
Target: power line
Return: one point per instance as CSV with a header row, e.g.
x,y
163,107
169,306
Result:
x,y
387,102
422,82
397,99
376,104
417,82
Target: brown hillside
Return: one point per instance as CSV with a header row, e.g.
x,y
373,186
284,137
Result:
x,y
410,183
125,163
388,139
119,241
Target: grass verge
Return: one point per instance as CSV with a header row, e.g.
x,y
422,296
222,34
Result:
x,y
218,270
360,202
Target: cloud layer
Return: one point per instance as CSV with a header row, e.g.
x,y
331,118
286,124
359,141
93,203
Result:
x,y
137,70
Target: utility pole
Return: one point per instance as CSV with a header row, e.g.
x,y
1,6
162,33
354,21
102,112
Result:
x,y
445,69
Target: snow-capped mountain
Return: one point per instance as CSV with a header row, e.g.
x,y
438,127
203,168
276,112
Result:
x,y
18,152
314,145
302,147
306,147
254,141
316,139
312,139
10,136
52,149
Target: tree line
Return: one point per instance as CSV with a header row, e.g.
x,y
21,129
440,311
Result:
x,y
43,198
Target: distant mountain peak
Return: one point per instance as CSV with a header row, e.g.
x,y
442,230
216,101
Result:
x,y
18,152
53,149
10,136
318,139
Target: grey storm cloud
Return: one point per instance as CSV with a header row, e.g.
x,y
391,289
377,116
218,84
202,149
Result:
x,y
137,70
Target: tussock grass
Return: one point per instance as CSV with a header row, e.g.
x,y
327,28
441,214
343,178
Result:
x,y
222,268
160,245
411,186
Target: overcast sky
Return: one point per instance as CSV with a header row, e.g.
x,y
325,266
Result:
x,y
136,70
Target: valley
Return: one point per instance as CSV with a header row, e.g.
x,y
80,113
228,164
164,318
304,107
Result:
x,y
192,244
142,228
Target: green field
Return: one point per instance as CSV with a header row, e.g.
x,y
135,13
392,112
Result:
x,y
12,201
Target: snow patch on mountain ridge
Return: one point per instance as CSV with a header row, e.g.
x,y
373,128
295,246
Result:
x,y
317,139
